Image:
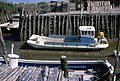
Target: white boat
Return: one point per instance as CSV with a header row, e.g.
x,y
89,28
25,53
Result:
x,y
12,23
86,40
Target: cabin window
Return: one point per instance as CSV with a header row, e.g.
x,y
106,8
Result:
x,y
82,32
103,42
85,32
92,32
88,32
15,16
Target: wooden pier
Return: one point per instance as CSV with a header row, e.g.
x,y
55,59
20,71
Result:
x,y
48,73
30,73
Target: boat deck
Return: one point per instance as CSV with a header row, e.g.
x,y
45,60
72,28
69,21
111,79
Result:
x,y
61,39
76,39
43,73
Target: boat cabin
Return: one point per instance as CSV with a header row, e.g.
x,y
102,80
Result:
x,y
87,31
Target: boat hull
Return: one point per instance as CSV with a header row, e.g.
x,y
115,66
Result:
x,y
67,42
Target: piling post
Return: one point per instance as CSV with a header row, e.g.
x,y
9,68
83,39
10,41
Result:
x,y
38,27
64,66
45,28
63,22
29,25
74,25
92,20
34,22
59,24
4,51
67,25
107,26
54,26
42,25
115,27
111,26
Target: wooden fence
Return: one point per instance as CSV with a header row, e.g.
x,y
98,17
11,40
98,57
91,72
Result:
x,y
68,25
4,17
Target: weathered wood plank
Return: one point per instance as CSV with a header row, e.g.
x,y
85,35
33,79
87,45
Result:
x,y
29,26
63,24
59,18
54,26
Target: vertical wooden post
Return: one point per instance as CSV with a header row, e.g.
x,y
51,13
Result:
x,y
78,24
115,25
96,24
111,26
4,51
25,30
82,20
29,27
67,25
102,23
45,25
22,28
38,27
103,19
107,26
63,22
64,66
59,21
42,25
74,25
99,23
1,18
54,31
92,22
49,24
34,22
32,18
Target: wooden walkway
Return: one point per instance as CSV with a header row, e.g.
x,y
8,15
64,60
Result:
x,y
30,73
42,73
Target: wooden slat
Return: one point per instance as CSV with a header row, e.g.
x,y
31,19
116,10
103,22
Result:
x,y
4,72
35,74
17,74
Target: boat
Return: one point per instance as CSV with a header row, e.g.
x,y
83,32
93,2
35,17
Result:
x,y
54,70
48,70
12,26
86,40
14,22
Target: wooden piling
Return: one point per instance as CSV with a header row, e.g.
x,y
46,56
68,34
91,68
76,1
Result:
x,y
68,24
59,18
78,24
42,25
115,26
54,26
64,66
63,23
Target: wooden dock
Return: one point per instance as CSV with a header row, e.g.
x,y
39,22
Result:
x,y
30,73
45,73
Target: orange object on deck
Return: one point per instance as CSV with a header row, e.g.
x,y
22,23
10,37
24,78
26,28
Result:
x,y
101,35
